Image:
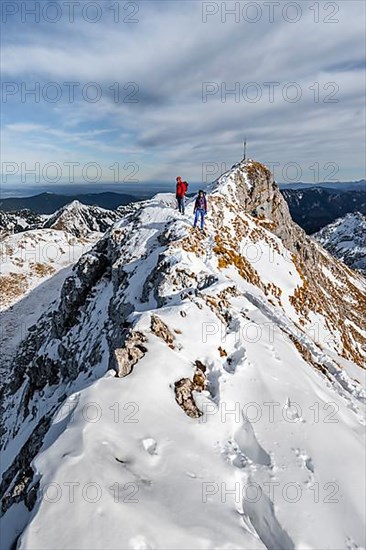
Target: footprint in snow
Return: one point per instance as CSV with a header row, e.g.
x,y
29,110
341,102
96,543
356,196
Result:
x,y
237,358
150,445
293,413
304,460
233,454
351,544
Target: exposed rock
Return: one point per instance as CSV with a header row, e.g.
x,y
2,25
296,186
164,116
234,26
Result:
x,y
18,221
133,350
16,484
154,281
90,268
185,387
161,330
206,281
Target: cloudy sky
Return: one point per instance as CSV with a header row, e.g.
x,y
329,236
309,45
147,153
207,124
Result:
x,y
147,90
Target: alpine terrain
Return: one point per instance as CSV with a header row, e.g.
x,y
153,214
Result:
x,y
190,390
315,207
346,239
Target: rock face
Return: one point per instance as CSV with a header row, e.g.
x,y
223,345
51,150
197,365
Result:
x,y
156,292
252,185
346,239
18,221
132,351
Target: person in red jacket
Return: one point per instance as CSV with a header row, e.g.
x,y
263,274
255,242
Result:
x,y
180,193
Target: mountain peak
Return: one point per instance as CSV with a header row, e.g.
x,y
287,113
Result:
x,y
74,205
80,219
246,173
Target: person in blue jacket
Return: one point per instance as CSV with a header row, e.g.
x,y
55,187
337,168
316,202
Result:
x,y
200,209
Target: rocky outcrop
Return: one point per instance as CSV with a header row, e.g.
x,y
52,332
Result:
x,y
249,187
17,482
185,387
133,350
18,221
161,330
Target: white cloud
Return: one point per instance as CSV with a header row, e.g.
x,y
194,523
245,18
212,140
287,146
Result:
x,y
169,54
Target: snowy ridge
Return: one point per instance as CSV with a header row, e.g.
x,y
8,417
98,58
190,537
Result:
x,y
171,335
346,239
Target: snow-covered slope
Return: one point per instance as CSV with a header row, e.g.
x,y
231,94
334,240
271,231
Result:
x,y
80,219
34,266
346,239
193,391
31,257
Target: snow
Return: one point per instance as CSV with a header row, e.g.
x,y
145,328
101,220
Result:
x,y
229,177
174,497
346,239
277,459
37,254
17,319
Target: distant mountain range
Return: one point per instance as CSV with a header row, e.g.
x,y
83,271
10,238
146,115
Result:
x,y
312,207
48,203
75,218
315,207
359,185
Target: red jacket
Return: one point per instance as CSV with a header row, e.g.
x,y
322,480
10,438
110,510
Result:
x,y
182,187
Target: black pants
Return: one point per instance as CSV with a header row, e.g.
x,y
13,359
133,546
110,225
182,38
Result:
x,y
181,204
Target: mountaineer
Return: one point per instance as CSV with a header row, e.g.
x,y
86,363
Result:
x,y
181,190
200,209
